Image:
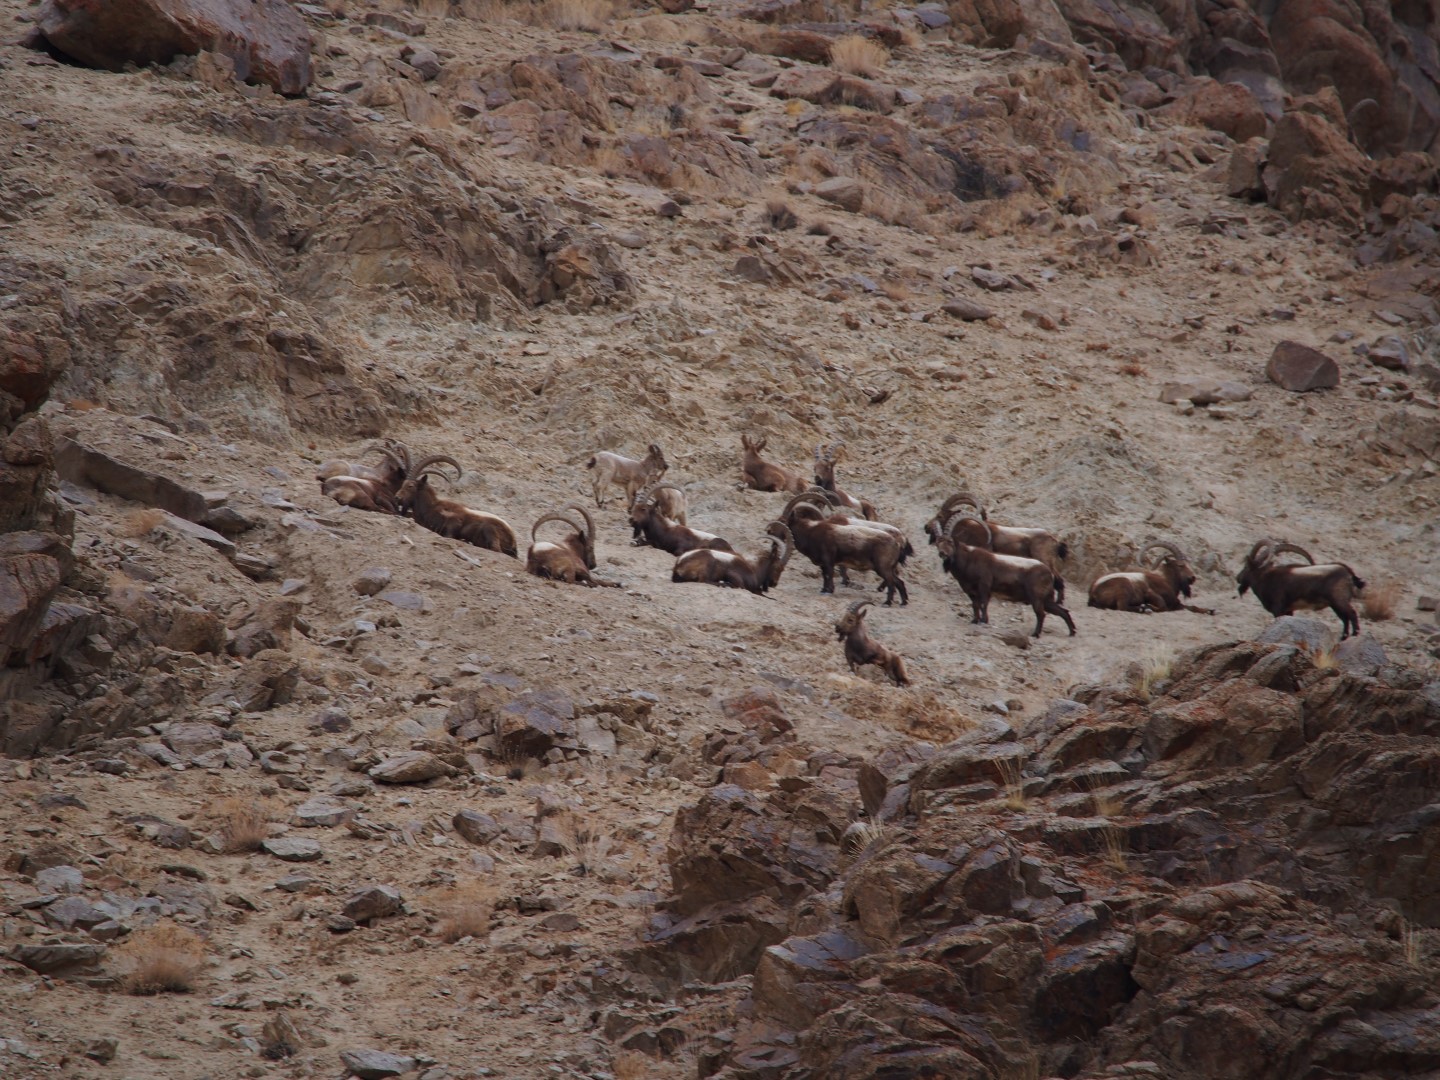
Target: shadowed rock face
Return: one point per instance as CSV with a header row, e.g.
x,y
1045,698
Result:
x,y
1198,880
266,40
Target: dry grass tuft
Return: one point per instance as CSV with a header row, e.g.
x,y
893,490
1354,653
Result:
x,y
632,1065
1411,944
243,823
588,843
1324,660
1106,804
896,290
162,959
138,523
862,837
1155,668
1134,370
1115,846
1379,601
856,54
820,228
1012,776
465,909
514,763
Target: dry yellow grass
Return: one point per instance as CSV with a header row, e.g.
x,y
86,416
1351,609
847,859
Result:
x,y
589,15
1011,774
162,959
243,823
138,523
1115,845
1324,659
896,290
465,909
1379,601
856,54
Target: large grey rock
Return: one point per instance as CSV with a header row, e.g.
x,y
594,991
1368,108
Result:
x,y
411,767
534,722
189,739
375,1065
372,580
476,827
1203,391
75,911
54,959
293,848
1299,368
372,902
1361,655
844,191
1389,352
1310,634
967,310
322,811
66,880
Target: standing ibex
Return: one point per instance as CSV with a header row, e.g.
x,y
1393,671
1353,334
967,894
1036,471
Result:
x,y
829,544
629,473
982,574
1283,588
1039,544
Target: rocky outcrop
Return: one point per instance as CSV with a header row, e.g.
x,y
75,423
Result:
x,y
1225,867
266,40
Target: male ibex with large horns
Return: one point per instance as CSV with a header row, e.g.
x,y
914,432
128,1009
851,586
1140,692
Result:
x,y
1039,544
448,518
982,574
1283,588
726,568
1158,587
569,560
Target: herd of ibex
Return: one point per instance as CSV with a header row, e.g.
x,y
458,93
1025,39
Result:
x,y
836,531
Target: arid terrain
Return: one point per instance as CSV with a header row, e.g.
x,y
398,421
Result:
x,y
519,234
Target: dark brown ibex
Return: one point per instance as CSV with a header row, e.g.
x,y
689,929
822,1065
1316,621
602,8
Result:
x,y
861,648
1283,588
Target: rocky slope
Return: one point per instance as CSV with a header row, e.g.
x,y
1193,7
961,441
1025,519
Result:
x,y
539,830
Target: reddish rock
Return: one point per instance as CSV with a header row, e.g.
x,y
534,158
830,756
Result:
x,y
266,39
1298,368
1226,107
1314,171
27,585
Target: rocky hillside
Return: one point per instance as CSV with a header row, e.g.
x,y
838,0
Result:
x,y
1128,272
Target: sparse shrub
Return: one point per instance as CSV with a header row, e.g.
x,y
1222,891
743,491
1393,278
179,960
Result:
x,y
856,54
779,216
1411,944
465,910
1012,776
1133,369
1155,668
162,959
514,763
1105,804
1379,601
861,837
592,846
138,523
244,824
1115,844
820,228
589,15
896,290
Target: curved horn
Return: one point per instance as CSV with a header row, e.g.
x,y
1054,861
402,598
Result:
x,y
554,515
948,525
962,498
1260,552
436,459
589,534
1283,546
781,530
859,606
795,500
644,497
824,493
1175,551
955,521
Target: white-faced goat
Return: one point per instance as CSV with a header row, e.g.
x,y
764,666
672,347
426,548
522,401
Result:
x,y
569,560
765,475
367,487
825,459
630,473
1159,587
452,519
829,544
1039,544
982,574
730,570
652,527
1283,588
862,649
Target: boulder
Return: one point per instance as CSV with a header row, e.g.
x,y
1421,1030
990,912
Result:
x,y
372,902
294,849
534,722
193,629
843,191
59,958
1203,391
1299,368
1313,170
1226,107
266,40
1389,352
370,581
375,1065
1243,171
967,310
1361,655
189,739
27,585
411,767
1310,634
477,828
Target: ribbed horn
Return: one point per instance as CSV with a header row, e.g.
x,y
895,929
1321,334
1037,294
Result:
x,y
436,459
1284,546
589,534
554,515
1167,546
